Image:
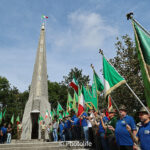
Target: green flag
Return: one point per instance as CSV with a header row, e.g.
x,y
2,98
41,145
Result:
x,y
60,116
112,79
54,112
87,109
142,40
18,119
94,96
76,110
40,118
76,96
12,119
98,83
87,96
69,97
1,116
74,103
89,105
59,108
90,98
66,113
4,113
51,115
69,102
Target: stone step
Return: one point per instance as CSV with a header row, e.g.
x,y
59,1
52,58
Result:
x,y
27,141
34,148
40,146
52,144
43,148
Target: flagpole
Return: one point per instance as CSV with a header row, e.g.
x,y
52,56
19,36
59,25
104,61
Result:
x,y
101,52
130,16
115,104
96,86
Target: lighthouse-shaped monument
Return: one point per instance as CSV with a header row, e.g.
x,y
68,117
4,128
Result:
x,y
37,103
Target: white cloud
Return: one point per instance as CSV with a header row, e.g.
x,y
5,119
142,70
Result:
x,y
86,32
75,45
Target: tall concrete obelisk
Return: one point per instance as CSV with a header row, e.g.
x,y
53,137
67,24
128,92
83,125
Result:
x,y
37,103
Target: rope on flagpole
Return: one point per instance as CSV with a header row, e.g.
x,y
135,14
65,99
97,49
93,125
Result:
x,y
101,52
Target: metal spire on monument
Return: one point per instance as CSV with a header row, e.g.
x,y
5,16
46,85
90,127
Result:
x,y
37,103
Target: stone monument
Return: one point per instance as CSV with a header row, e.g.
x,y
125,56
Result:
x,y
37,103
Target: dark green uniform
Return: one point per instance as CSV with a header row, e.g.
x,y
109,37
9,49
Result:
x,y
110,134
111,122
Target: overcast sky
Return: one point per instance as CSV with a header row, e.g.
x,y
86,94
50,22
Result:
x,y
75,31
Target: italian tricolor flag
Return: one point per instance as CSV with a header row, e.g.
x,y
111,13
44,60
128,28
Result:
x,y
81,104
74,84
44,17
46,115
112,79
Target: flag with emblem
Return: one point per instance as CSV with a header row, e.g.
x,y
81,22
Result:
x,y
142,40
112,79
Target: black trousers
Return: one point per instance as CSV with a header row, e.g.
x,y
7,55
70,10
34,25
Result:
x,y
126,148
73,132
78,132
111,140
98,145
91,137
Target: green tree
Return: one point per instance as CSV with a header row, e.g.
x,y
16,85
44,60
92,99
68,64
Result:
x,y
57,93
82,79
4,90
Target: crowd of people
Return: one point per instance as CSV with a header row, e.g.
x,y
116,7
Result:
x,y
6,133
111,132
114,131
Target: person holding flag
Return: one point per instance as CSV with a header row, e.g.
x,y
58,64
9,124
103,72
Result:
x,y
143,135
84,125
74,128
101,130
109,135
123,137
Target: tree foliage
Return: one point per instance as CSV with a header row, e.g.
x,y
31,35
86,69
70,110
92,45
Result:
x,y
13,101
57,93
82,79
